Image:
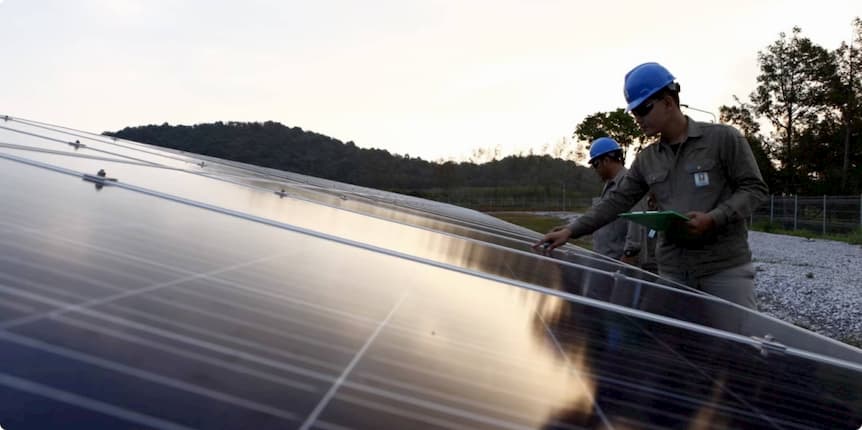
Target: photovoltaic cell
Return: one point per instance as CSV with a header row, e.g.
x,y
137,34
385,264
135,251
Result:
x,y
179,298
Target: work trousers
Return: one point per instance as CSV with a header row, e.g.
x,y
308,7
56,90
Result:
x,y
735,285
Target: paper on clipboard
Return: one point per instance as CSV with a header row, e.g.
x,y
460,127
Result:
x,y
656,220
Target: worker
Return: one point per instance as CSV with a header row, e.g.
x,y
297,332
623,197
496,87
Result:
x,y
706,171
606,158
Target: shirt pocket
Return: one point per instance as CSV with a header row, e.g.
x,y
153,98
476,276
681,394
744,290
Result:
x,y
702,172
659,184
704,182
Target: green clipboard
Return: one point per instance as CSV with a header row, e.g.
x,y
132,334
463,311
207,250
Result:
x,y
656,220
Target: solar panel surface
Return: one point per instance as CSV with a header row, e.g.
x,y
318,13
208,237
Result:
x,y
190,295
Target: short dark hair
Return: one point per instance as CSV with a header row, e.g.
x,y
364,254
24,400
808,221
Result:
x,y
671,90
616,155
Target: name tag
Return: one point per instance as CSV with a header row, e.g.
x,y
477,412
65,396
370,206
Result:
x,y
701,179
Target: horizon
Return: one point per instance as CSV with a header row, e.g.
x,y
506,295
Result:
x,y
430,79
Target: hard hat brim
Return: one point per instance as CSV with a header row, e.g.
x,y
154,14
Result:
x,y
637,102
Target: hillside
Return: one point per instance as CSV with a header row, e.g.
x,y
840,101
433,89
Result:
x,y
529,180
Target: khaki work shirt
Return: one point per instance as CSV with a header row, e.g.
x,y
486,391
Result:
x,y
610,239
712,171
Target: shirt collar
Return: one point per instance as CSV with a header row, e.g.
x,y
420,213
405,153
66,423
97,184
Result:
x,y
619,176
693,129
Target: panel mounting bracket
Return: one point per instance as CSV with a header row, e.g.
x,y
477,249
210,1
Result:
x,y
767,345
100,179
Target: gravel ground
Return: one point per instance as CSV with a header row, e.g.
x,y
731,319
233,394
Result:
x,y
815,284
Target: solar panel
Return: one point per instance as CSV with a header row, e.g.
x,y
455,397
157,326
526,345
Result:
x,y
189,295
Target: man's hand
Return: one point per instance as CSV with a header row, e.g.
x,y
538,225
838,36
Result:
x,y
555,238
699,223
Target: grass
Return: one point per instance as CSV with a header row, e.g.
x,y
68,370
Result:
x,y
539,223
854,237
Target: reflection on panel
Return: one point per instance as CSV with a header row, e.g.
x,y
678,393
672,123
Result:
x,y
261,332
178,298
597,278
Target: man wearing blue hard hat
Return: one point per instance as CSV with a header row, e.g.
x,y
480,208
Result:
x,y
706,171
606,157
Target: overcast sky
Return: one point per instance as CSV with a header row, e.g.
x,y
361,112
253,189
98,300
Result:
x,y
429,78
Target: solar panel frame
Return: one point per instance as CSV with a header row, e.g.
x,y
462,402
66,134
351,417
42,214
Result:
x,y
104,236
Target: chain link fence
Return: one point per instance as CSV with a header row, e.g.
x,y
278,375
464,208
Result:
x,y
819,214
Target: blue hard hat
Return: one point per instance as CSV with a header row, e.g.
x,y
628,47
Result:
x,y
644,81
602,146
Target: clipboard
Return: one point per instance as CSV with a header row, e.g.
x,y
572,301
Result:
x,y
656,220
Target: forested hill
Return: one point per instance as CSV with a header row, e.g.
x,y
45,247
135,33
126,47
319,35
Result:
x,y
272,144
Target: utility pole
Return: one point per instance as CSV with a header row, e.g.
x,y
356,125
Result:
x,y
714,118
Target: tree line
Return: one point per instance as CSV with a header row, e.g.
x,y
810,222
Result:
x,y
275,145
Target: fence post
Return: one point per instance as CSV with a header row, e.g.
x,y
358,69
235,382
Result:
x,y
564,196
795,210
860,211
824,214
771,207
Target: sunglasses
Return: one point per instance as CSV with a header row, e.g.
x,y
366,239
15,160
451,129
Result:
x,y
595,163
644,108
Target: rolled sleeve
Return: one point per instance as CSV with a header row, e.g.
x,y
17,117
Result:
x,y
719,216
631,188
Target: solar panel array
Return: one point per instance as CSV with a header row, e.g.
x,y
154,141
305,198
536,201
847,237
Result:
x,y
147,288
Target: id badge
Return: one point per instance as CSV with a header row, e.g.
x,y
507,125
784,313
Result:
x,y
701,179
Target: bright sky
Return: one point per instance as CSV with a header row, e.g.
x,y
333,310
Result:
x,y
429,78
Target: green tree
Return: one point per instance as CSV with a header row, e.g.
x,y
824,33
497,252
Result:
x,y
793,89
846,94
616,124
742,116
